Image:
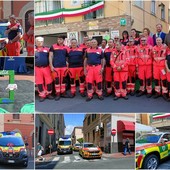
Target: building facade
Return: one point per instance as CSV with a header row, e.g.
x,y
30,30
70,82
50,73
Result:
x,y
143,118
44,122
22,123
77,134
161,121
111,19
97,129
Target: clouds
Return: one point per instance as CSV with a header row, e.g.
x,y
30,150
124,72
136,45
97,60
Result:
x,y
69,129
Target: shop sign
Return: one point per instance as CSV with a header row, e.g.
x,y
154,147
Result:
x,y
114,33
93,25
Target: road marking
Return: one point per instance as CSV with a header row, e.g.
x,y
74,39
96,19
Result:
x,y
104,159
56,159
77,157
66,159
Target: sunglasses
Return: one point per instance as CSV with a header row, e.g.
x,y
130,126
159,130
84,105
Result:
x,y
116,38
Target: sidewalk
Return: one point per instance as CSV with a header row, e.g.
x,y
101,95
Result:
x,y
118,155
47,158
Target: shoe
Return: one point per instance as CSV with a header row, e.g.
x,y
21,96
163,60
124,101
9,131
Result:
x,y
57,97
50,97
156,96
41,99
115,98
64,95
88,99
72,95
164,96
149,95
100,97
132,93
126,97
140,94
83,94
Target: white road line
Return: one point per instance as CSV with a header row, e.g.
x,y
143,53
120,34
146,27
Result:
x,y
66,159
104,159
56,159
77,157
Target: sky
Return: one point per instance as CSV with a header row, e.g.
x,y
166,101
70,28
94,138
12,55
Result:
x,y
72,120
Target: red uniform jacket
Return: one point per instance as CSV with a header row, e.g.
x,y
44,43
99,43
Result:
x,y
159,55
119,58
144,55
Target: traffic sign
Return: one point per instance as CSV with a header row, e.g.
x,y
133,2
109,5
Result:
x,y
113,132
50,131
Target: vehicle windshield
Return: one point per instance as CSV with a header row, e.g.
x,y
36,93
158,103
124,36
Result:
x,y
89,145
2,31
64,142
11,141
148,138
77,144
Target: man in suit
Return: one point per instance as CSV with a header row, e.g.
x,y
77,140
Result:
x,y
159,33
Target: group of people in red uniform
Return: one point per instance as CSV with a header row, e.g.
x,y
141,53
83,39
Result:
x,y
115,67
15,33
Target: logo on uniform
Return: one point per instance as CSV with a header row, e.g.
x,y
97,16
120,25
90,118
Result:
x,y
97,52
141,51
154,52
45,51
115,55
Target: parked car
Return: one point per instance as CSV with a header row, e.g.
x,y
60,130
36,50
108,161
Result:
x,y
76,147
151,148
12,149
90,150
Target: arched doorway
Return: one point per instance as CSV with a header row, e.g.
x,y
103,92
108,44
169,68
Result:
x,y
27,24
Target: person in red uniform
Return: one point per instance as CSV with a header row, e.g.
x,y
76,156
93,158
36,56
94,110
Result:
x,y
159,73
131,52
108,69
119,63
13,31
57,59
75,64
167,64
43,75
93,69
29,36
84,44
144,63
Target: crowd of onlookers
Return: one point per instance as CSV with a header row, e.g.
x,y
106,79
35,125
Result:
x,y
134,64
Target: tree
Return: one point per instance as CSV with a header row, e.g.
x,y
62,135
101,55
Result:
x,y
80,140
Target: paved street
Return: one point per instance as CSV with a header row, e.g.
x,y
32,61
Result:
x,y
79,104
164,164
74,161
11,166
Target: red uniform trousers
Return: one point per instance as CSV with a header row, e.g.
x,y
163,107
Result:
x,y
145,73
13,49
131,78
73,73
160,76
60,84
120,77
43,80
108,78
93,74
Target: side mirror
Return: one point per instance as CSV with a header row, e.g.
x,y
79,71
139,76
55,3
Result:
x,y
163,140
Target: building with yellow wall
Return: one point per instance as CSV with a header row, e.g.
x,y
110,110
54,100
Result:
x,y
112,19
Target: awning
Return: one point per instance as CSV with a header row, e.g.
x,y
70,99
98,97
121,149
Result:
x,y
123,125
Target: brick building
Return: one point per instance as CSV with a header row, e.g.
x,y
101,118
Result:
x,y
23,123
77,134
20,9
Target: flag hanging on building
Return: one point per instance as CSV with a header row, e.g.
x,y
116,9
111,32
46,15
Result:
x,y
69,12
160,115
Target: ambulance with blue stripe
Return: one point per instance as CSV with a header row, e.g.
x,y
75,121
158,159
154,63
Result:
x,y
12,149
151,149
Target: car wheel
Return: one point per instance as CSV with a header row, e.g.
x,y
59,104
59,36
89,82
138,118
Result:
x,y
25,164
151,162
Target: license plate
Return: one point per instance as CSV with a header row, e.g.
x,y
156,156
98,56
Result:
x,y
11,161
94,154
10,155
64,151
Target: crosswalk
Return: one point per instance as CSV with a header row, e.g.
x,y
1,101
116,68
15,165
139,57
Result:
x,y
74,159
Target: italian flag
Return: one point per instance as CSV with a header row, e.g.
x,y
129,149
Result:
x,y
69,12
160,115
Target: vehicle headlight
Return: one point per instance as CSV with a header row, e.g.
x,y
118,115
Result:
x,y
138,152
